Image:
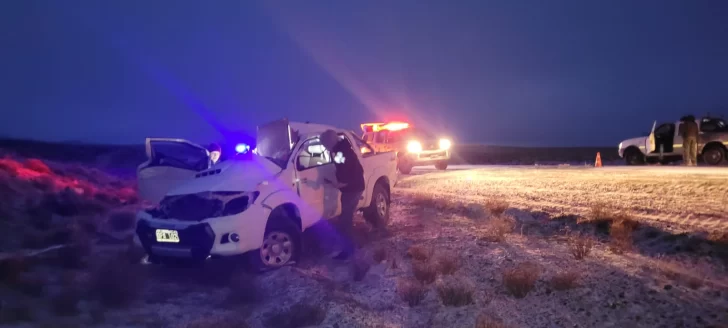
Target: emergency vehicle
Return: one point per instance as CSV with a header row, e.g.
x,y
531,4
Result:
x,y
413,146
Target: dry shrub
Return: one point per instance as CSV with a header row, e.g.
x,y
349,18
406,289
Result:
x,y
580,246
693,276
116,283
234,320
496,228
299,315
598,212
448,263
412,292
243,289
10,166
455,292
380,254
65,303
521,279
420,252
37,166
424,272
717,236
122,220
360,265
486,320
620,234
564,280
496,206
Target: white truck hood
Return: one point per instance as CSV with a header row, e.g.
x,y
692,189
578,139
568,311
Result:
x,y
638,141
232,175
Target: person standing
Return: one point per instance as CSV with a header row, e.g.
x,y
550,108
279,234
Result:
x,y
689,132
350,181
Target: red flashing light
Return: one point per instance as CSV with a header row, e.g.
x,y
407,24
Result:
x,y
391,126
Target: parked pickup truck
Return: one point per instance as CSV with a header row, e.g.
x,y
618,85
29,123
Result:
x,y
664,144
256,205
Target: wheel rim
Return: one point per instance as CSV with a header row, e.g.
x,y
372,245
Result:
x,y
277,249
381,205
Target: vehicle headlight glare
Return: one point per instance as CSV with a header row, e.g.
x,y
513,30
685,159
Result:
x,y
414,146
445,144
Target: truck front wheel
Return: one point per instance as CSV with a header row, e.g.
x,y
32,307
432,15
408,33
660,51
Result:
x,y
634,157
377,214
281,246
442,165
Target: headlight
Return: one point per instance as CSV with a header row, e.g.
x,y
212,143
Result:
x,y
445,144
414,146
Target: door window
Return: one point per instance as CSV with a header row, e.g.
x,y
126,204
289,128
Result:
x,y
312,154
179,154
665,129
363,147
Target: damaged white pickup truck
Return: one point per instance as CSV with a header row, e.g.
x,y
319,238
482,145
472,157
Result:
x,y
256,205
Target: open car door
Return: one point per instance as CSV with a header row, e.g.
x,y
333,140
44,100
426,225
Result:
x,y
169,163
650,146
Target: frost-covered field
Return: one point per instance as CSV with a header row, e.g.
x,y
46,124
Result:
x,y
494,243
681,197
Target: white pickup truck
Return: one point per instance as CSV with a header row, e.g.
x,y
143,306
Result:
x,y
664,143
255,205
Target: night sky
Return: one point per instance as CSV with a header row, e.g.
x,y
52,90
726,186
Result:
x,y
511,72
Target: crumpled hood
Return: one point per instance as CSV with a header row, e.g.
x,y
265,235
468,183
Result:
x,y
231,175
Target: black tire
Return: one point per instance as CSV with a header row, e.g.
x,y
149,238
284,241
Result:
x,y
441,165
280,229
377,214
404,166
714,155
634,157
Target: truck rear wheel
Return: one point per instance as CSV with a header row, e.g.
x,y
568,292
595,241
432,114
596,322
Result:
x,y
714,155
377,214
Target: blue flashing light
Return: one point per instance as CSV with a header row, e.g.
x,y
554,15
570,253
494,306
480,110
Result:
x,y
242,148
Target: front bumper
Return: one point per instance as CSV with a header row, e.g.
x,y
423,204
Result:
x,y
210,237
428,157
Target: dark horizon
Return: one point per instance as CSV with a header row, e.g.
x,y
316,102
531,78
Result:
x,y
531,73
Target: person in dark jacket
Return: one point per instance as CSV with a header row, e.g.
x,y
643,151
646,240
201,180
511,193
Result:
x,y
689,132
215,153
350,180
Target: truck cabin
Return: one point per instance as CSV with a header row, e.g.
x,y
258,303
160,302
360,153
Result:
x,y
667,134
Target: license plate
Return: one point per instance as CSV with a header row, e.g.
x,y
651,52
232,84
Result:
x,y
167,236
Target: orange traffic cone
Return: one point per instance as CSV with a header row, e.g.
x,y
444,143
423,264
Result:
x,y
598,161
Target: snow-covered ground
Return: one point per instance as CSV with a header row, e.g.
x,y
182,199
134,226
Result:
x,y
667,279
